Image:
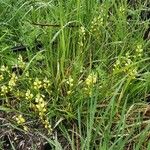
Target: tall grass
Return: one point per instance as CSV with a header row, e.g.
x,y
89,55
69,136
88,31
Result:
x,y
91,75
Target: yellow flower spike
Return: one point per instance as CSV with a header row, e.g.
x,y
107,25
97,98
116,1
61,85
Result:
x,y
20,119
47,126
14,76
122,10
91,79
39,98
38,106
21,63
46,83
70,81
41,115
12,81
4,89
37,84
139,50
43,104
82,30
28,95
4,68
44,109
1,77
25,128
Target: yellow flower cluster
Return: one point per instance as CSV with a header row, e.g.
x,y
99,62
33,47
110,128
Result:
x,y
47,125
70,83
126,65
82,31
33,94
96,23
139,50
89,82
122,10
46,83
20,120
4,89
41,109
1,77
28,95
21,63
37,84
40,105
19,94
91,79
12,81
81,36
4,68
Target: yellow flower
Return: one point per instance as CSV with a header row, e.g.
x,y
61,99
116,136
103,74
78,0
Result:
x,y
70,81
96,23
39,98
20,119
21,63
139,50
82,30
46,83
122,10
41,107
1,77
12,81
91,79
41,104
29,95
3,68
25,128
88,91
4,89
37,84
47,125
132,73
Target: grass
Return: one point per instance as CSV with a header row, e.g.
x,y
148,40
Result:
x,y
87,87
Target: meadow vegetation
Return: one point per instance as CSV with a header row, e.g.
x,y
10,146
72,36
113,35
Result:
x,y
74,75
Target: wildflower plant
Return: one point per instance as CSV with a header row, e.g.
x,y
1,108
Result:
x,y
139,50
20,120
4,90
96,24
13,81
28,95
126,66
37,84
81,40
20,62
31,96
1,77
90,82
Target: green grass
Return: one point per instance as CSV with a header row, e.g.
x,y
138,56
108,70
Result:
x,y
86,88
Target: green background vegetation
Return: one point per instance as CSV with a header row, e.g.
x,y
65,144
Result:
x,y
87,87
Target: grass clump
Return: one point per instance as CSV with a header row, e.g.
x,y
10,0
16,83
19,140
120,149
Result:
x,y
74,75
